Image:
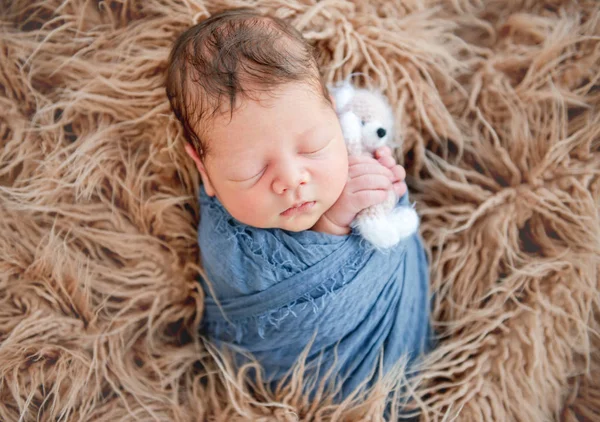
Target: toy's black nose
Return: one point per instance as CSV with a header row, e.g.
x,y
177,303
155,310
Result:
x,y
381,132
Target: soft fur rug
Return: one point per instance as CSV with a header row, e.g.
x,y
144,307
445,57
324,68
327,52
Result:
x,y
498,103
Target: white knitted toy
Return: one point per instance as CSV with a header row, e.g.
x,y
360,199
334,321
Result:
x,y
367,123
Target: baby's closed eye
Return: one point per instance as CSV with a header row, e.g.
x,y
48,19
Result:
x,y
310,147
315,146
254,175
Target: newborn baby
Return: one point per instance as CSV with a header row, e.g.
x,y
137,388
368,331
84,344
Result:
x,y
277,198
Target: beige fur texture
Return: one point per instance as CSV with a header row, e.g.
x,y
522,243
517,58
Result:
x,y
99,309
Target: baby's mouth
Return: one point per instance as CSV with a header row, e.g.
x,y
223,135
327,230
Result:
x,y
298,209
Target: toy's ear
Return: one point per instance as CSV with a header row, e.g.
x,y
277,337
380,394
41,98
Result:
x,y
342,94
351,128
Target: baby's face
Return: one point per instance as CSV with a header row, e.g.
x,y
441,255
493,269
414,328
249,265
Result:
x,y
280,162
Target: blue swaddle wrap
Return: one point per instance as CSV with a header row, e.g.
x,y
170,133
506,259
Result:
x,y
277,288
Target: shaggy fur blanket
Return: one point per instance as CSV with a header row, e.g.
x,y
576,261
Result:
x,y
498,103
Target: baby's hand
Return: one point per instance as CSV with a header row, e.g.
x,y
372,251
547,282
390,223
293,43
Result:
x,y
368,184
385,158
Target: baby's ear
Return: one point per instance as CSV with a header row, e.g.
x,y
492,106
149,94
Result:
x,y
208,187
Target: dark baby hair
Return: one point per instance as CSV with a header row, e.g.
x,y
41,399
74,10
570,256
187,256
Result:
x,y
234,53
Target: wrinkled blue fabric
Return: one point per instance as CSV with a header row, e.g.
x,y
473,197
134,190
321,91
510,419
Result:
x,y
278,290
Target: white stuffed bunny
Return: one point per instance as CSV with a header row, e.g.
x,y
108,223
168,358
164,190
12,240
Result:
x,y
367,123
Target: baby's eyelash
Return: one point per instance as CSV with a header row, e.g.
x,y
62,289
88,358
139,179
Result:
x,y
253,177
317,150
312,152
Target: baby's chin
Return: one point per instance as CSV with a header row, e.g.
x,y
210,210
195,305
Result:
x,y
298,224
294,223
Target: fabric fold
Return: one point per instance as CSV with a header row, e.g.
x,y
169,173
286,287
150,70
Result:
x,y
275,291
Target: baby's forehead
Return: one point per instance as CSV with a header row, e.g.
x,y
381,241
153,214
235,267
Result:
x,y
257,99
271,114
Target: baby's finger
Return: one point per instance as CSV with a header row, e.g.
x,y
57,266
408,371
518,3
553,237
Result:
x,y
383,151
368,198
369,182
399,173
357,170
387,161
400,188
360,159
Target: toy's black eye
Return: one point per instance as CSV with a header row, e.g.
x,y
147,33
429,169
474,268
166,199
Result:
x,y
362,122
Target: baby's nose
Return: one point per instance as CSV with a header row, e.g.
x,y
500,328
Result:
x,y
290,179
381,132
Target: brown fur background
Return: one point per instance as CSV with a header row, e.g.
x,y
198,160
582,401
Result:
x,y
498,103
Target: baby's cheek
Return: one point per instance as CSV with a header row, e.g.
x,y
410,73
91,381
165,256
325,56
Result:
x,y
242,208
253,208
336,176
341,167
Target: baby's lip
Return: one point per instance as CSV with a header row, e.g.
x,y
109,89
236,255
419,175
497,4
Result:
x,y
298,208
